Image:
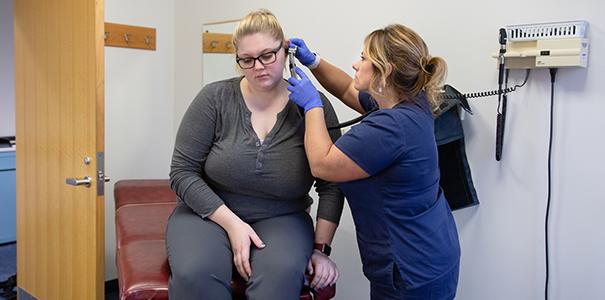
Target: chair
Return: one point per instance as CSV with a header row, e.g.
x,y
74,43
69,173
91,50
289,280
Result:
x,y
142,208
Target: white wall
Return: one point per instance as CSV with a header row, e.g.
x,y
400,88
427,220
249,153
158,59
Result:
x,y
7,70
503,238
139,104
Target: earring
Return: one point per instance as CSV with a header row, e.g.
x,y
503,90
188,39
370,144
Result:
x,y
380,89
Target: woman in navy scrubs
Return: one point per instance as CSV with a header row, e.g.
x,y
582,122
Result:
x,y
387,164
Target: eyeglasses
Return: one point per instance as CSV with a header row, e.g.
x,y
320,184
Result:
x,y
266,58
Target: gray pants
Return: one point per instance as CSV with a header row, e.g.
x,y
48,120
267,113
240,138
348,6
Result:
x,y
201,261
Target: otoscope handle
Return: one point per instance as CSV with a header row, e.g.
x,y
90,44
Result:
x,y
500,76
500,126
499,136
501,115
292,63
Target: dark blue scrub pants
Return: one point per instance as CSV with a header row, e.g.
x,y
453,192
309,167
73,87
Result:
x,y
201,261
443,288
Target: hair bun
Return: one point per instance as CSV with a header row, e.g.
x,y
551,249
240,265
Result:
x,y
427,64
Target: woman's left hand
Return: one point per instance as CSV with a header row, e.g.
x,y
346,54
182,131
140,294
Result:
x,y
303,92
323,269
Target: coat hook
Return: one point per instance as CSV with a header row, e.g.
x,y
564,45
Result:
x,y
213,44
228,45
126,35
147,39
106,35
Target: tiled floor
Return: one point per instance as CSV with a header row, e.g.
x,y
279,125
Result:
x,y
8,267
8,260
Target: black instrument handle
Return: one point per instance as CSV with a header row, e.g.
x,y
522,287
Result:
x,y
500,124
499,136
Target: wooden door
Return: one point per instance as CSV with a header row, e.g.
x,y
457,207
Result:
x,y
59,114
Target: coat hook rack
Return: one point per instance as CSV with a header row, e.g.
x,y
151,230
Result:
x,y
217,43
127,36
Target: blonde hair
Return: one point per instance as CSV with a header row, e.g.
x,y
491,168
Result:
x,y
413,68
263,21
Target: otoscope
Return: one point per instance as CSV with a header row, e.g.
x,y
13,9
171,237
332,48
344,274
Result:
x,y
501,116
292,64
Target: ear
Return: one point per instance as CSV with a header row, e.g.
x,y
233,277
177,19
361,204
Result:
x,y
389,70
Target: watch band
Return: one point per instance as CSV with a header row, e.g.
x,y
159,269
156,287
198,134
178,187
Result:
x,y
315,63
323,248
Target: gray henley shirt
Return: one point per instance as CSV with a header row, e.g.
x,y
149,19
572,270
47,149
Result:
x,y
218,159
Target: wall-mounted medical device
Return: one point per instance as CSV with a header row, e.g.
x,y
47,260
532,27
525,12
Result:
x,y
546,45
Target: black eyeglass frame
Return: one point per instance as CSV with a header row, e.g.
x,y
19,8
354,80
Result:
x,y
258,58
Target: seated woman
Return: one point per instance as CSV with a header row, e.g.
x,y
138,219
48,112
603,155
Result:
x,y
242,179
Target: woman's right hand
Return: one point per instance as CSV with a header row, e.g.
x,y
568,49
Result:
x,y
303,54
240,235
324,270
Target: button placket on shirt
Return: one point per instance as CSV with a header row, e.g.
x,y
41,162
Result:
x,y
261,151
260,154
260,146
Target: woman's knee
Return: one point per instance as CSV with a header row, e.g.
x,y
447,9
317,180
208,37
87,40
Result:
x,y
201,275
284,268
276,279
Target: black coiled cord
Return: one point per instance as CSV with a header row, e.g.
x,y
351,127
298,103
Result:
x,y
488,93
443,96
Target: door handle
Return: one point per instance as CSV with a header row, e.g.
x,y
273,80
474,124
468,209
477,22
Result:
x,y
86,181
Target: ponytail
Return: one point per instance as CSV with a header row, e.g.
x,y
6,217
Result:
x,y
434,72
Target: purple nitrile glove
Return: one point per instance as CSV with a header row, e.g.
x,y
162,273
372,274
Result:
x,y
303,54
303,92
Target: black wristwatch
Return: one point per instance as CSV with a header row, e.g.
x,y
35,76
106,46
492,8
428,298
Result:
x,y
323,248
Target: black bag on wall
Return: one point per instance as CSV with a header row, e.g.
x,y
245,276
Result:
x,y
456,179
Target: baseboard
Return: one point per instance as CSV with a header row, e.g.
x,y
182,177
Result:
x,y
24,295
111,286
7,243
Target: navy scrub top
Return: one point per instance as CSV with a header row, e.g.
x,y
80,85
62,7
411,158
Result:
x,y
401,216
